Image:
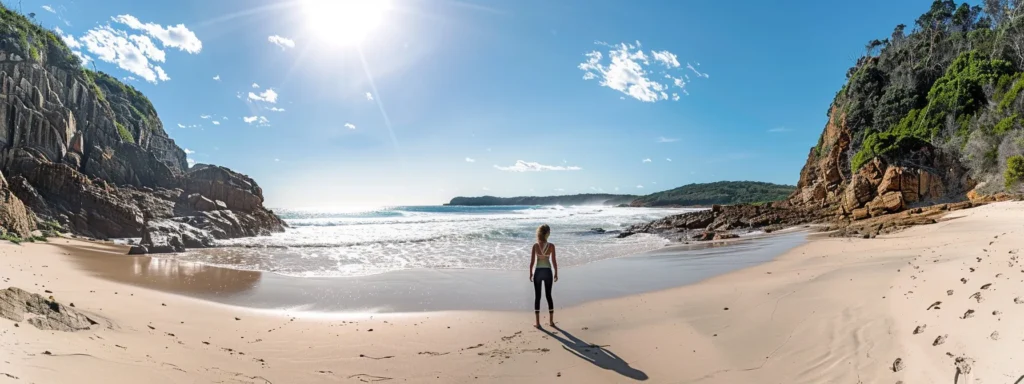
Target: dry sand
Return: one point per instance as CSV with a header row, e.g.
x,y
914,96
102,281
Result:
x,y
831,311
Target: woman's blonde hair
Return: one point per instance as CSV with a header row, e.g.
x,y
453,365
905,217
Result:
x,y
543,231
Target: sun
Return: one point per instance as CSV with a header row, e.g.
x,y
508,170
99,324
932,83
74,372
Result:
x,y
344,22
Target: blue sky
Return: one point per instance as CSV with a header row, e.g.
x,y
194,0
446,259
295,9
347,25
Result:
x,y
495,82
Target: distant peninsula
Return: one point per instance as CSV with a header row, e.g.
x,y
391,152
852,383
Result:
x,y
581,199
722,192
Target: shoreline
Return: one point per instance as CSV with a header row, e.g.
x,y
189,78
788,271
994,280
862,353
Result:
x,y
830,310
431,290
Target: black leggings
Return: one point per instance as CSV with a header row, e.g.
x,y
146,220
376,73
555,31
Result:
x,y
542,275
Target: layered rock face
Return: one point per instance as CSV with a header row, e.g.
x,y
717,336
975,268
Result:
x,y
84,150
828,187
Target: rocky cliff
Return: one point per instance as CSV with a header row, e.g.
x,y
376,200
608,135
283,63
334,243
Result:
x,y
83,150
928,116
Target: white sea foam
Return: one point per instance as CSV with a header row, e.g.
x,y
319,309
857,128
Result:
x,y
347,243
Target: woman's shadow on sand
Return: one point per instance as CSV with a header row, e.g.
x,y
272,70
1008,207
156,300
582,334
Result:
x,y
596,354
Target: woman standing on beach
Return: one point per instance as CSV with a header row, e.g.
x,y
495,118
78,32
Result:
x,y
542,264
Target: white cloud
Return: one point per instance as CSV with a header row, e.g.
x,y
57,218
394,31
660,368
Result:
x,y
269,96
647,160
204,117
667,58
616,188
704,75
225,118
675,96
369,96
180,125
215,122
640,186
276,109
177,36
664,139
191,163
189,151
259,121
470,160
217,78
779,130
129,78
50,9
282,42
625,68
117,47
486,189
525,166
131,52
668,159
277,159
350,126
254,85
559,189
160,74
68,39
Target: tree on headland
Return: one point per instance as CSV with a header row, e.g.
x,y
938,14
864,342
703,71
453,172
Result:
x,y
951,84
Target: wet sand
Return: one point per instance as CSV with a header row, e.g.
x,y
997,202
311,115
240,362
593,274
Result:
x,y
436,290
939,303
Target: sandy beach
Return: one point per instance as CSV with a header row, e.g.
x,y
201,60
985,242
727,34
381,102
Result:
x,y
941,299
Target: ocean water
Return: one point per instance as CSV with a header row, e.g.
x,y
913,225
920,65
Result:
x,y
355,243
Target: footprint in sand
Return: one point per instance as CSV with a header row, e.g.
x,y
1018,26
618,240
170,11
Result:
x,y
939,340
963,280
934,305
949,292
920,328
977,296
994,335
1018,300
969,314
897,365
986,286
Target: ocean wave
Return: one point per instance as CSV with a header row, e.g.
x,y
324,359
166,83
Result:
x,y
394,238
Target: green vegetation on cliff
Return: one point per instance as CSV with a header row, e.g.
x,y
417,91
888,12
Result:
x,y
1014,171
33,40
721,192
951,86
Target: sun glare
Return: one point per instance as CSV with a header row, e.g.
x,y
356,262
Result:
x,y
344,22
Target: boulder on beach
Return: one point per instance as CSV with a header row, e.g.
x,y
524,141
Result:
x,y
16,304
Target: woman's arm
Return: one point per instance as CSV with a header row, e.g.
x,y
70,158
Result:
x,y
533,259
554,261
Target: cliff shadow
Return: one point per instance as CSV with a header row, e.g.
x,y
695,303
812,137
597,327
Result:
x,y
596,354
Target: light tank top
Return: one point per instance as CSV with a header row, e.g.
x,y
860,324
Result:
x,y
543,257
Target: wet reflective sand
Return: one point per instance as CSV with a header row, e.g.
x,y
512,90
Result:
x,y
434,289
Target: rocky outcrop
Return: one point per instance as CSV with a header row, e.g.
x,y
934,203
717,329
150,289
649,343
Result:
x,y
722,222
89,152
14,217
16,304
828,186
